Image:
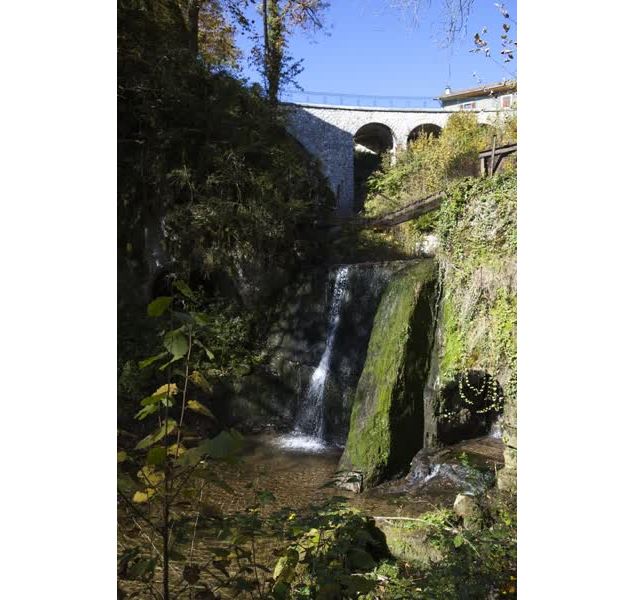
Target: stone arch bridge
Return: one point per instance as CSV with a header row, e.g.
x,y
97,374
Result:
x,y
335,135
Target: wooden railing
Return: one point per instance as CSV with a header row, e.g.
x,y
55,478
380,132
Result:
x,y
490,161
401,215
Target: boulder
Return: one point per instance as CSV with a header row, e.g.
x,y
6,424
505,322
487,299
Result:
x,y
466,507
351,481
411,541
387,422
467,467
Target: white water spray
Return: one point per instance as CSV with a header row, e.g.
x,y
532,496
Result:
x,y
310,421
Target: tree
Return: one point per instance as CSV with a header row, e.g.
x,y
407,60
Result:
x,y
279,18
211,29
454,15
507,39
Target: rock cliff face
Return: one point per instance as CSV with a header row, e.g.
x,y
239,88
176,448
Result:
x,y
440,364
477,321
296,344
387,420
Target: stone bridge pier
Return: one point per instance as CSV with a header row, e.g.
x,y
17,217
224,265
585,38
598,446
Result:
x,y
349,140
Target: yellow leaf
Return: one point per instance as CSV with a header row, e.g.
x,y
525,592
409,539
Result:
x,y
121,456
168,389
196,406
175,451
198,379
149,475
141,497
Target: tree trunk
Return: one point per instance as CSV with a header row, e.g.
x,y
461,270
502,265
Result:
x,y
273,47
193,9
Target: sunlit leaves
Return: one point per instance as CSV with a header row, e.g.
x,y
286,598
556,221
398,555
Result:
x,y
182,287
146,411
141,497
286,565
225,445
150,477
199,379
148,361
176,343
196,406
168,427
175,450
161,397
159,305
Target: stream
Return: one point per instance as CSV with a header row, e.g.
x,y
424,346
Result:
x,y
296,471
303,475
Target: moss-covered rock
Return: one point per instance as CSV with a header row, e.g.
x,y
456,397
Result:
x,y
386,425
411,541
477,326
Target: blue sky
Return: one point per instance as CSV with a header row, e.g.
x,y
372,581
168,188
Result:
x,y
369,48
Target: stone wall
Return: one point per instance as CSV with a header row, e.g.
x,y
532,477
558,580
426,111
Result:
x,y
327,132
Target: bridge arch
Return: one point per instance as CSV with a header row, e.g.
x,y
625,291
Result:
x,y
375,138
371,141
329,132
424,129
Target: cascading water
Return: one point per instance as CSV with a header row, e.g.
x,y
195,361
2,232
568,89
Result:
x,y
311,420
324,401
309,426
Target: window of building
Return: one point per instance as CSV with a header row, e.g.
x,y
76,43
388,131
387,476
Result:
x,y
468,105
506,101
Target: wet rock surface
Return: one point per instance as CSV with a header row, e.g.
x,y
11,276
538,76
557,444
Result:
x,y
468,467
296,344
386,425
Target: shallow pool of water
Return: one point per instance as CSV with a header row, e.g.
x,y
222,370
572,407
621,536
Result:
x,y
300,471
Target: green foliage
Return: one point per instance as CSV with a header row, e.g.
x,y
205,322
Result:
x,y
280,18
165,466
159,305
334,555
477,231
202,152
430,165
477,563
455,562
477,255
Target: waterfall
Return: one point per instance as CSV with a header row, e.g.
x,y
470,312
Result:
x,y
309,426
311,419
325,400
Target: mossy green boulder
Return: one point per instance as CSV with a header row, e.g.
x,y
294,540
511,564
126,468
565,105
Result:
x,y
386,427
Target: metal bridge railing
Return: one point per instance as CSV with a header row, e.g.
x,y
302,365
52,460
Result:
x,y
335,99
